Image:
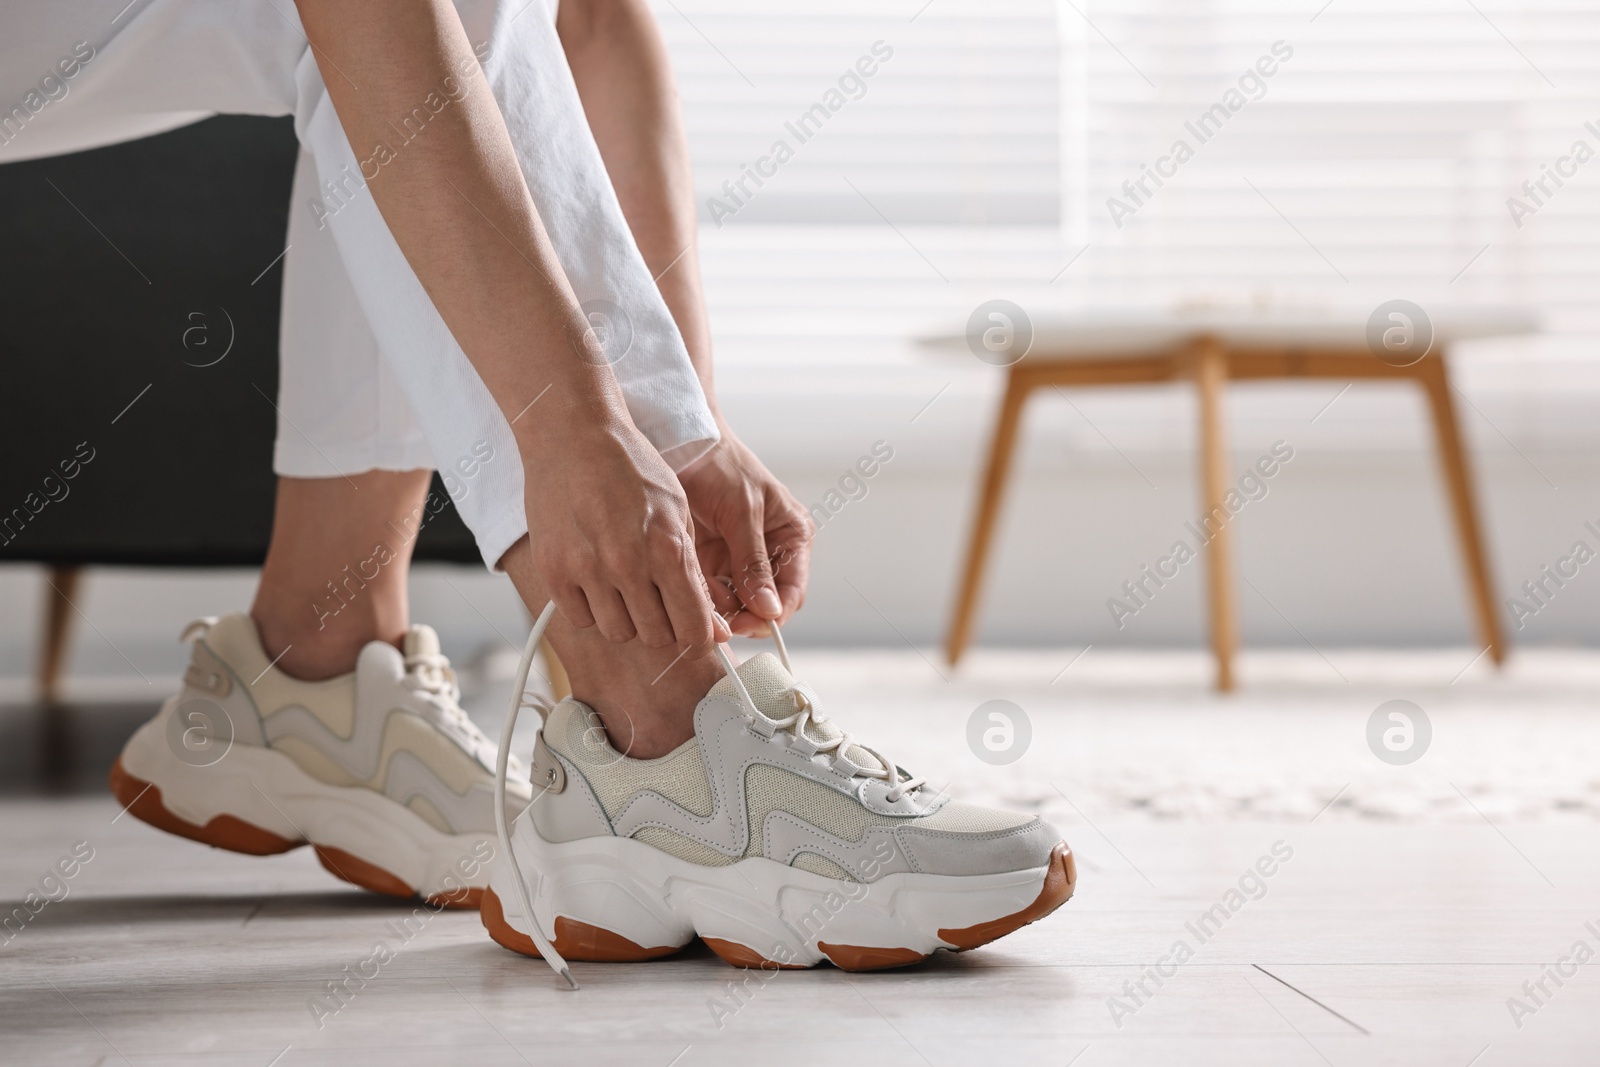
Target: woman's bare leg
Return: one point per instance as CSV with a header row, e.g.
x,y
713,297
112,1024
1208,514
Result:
x,y
316,606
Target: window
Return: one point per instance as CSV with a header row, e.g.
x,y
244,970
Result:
x,y
1382,156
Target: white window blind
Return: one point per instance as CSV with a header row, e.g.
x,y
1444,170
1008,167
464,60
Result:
x,y
956,124
945,169
1375,162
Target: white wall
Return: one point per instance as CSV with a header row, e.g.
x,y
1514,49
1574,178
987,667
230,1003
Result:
x,y
892,230
1351,543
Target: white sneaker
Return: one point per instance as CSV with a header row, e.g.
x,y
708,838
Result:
x,y
770,835
379,770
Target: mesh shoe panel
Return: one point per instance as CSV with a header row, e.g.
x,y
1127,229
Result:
x,y
685,848
769,789
970,819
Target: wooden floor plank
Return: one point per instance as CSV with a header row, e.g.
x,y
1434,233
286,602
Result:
x,y
1416,933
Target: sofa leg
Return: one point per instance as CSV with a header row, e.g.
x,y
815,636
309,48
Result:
x,y
58,612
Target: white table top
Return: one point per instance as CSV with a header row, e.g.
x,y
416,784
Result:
x,y
1134,330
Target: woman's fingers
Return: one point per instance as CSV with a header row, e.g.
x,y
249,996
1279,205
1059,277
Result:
x,y
571,602
649,615
720,589
695,623
610,613
712,552
790,548
754,531
611,528
752,578
635,606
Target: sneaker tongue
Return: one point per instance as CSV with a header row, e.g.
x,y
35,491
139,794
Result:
x,y
421,641
769,685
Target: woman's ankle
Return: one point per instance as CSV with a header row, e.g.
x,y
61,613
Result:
x,y
645,718
317,607
311,653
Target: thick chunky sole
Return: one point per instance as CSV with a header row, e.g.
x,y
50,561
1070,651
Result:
x,y
259,802
612,899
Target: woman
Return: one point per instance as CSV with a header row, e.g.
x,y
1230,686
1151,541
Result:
x,y
491,270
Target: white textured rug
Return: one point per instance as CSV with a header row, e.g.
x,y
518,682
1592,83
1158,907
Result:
x,y
1124,733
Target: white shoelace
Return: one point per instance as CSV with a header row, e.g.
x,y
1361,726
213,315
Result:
x,y
805,714
430,672
519,696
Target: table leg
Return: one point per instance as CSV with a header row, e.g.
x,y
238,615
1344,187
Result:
x,y
994,481
560,686
1458,479
1211,378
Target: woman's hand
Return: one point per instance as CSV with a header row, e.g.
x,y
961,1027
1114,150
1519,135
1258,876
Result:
x,y
753,537
610,533
612,538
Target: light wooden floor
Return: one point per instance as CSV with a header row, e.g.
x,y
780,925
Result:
x,y
1394,935
1401,944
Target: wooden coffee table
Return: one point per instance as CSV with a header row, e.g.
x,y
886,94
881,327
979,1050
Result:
x,y
1210,348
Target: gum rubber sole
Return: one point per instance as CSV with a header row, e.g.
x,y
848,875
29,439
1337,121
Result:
x,y
583,942
736,955
369,876
574,940
858,958
142,800
1060,879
